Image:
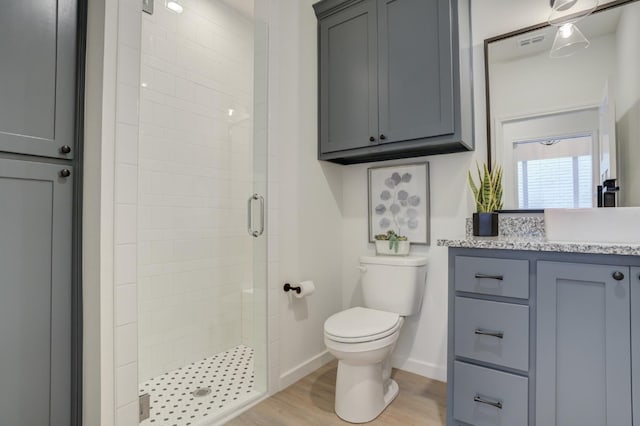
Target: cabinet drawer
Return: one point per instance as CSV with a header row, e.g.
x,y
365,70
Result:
x,y
493,332
477,388
500,277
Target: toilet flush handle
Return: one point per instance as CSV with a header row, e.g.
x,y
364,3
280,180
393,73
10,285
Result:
x,y
362,269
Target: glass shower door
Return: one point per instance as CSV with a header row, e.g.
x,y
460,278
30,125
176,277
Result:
x,y
202,241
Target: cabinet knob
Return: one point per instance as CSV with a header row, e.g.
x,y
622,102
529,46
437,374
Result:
x,y
65,173
618,276
372,139
65,149
382,137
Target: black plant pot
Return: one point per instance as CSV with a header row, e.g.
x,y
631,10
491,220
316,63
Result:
x,y
485,224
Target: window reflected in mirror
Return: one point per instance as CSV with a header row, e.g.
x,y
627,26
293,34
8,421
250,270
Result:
x,y
555,172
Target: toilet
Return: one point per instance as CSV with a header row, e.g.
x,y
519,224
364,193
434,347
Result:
x,y
363,338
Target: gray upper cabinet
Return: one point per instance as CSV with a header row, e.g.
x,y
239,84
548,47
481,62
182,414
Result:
x,y
35,293
349,77
583,345
394,79
38,85
415,83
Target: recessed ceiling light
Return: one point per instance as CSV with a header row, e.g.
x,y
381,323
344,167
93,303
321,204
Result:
x,y
174,6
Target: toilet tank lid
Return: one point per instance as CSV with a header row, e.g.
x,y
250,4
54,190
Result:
x,y
394,260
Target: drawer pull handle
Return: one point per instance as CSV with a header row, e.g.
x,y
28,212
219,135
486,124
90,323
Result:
x,y
497,404
481,332
490,277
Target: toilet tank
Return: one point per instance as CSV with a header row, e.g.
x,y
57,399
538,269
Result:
x,y
393,283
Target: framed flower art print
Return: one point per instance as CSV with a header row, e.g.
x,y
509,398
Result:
x,y
399,201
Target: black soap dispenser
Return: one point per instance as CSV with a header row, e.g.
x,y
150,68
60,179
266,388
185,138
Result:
x,y
607,197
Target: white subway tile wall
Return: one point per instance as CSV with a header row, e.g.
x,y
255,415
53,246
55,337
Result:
x,y
195,169
180,163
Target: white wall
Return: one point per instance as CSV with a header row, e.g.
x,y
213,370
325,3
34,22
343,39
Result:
x,y
628,105
110,311
309,194
320,200
540,84
98,305
196,171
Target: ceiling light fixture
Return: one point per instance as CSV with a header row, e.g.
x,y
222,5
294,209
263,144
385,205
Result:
x,y
570,11
174,6
569,40
562,5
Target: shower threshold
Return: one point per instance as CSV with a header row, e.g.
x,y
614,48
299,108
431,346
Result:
x,y
200,393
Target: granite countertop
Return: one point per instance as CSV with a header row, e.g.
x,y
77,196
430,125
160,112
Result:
x,y
540,244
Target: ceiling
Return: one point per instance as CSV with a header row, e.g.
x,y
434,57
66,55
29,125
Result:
x,y
243,6
593,26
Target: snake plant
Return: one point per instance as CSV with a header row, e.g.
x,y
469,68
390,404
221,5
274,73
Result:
x,y
488,192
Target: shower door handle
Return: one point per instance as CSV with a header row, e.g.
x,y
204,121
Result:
x,y
261,231
250,230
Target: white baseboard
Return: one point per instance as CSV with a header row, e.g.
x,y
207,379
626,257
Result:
x,y
426,369
235,413
298,372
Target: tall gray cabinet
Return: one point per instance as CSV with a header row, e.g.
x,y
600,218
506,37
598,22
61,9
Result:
x,y
38,84
39,141
35,293
394,78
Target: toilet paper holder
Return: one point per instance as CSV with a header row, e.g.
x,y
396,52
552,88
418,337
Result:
x,y
288,287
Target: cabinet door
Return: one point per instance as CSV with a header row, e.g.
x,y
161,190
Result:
x,y
635,343
583,365
349,78
38,69
415,81
35,294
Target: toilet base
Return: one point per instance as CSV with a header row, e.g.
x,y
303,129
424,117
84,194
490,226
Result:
x,y
392,391
361,394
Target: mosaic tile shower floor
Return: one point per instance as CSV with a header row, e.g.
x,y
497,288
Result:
x,y
228,375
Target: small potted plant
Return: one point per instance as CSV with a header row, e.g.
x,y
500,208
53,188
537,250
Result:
x,y
392,244
488,198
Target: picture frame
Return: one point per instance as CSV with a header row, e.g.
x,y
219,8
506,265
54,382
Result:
x,y
399,200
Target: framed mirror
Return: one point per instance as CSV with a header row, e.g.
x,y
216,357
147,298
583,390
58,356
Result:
x,y
561,126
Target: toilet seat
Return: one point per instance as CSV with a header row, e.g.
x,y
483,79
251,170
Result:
x,y
357,325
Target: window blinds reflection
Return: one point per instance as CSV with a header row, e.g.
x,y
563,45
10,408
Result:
x,y
555,172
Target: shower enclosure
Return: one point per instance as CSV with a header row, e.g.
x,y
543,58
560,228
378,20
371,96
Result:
x,y
202,165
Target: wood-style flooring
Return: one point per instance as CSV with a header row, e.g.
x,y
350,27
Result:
x,y
421,402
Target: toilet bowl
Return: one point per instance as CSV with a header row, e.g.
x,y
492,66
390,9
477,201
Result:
x,y
364,386
363,338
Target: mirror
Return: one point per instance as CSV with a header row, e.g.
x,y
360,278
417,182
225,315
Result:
x,y
562,126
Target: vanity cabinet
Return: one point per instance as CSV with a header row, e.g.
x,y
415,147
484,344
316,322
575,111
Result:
x,y
543,338
489,341
394,79
635,342
583,354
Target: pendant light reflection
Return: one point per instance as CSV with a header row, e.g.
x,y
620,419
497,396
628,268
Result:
x,y
570,11
174,6
562,5
569,40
